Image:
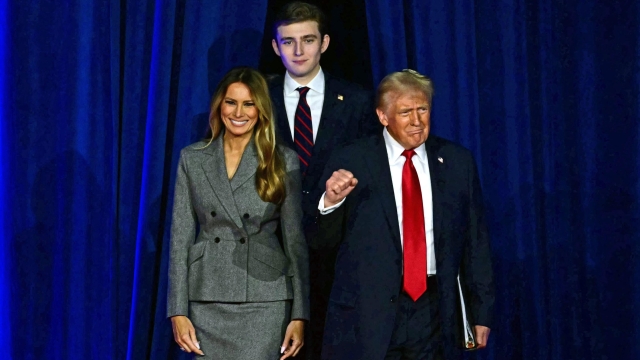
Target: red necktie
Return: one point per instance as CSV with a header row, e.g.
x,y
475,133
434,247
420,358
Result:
x,y
414,237
303,130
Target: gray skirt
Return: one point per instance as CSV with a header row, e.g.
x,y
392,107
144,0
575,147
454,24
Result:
x,y
240,330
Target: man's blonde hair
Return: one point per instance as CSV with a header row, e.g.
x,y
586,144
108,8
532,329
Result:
x,y
401,82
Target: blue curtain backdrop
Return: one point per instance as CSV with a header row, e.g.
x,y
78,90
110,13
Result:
x,y
5,236
96,99
545,93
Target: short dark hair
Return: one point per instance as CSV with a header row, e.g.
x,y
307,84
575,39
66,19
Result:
x,y
297,12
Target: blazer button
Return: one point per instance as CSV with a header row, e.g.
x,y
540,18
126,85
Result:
x,y
213,213
393,299
242,241
217,240
246,216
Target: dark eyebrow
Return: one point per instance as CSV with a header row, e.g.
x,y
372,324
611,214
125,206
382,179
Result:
x,y
305,37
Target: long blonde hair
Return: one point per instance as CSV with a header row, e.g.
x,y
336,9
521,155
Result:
x,y
271,172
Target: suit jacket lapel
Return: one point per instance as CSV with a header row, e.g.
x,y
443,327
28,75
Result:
x,y
329,119
247,167
282,121
381,174
216,171
438,183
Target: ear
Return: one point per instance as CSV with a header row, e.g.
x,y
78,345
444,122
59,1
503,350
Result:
x,y
325,43
274,44
382,117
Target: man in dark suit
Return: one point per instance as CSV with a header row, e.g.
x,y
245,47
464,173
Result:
x,y
316,113
405,211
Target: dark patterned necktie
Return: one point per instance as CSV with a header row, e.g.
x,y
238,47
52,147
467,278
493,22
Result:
x,y
414,237
303,130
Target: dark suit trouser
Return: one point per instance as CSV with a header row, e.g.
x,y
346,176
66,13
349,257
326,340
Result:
x,y
321,270
321,274
417,330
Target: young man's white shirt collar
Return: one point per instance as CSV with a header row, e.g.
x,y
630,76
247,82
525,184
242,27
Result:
x,y
315,99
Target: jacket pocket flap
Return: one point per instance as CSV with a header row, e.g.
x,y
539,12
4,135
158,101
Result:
x,y
343,297
196,251
273,258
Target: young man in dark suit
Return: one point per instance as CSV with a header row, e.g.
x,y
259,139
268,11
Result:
x,y
405,210
316,113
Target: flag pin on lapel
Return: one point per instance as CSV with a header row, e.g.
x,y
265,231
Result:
x,y
340,97
441,160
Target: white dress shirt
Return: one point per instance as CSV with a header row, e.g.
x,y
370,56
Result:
x,y
396,163
315,99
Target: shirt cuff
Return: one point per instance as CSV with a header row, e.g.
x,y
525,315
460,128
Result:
x,y
329,210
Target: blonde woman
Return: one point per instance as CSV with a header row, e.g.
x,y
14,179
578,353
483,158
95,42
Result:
x,y
238,288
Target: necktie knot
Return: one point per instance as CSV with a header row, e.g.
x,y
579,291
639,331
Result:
x,y
303,91
408,154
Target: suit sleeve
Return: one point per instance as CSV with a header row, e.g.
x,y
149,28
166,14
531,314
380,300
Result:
x,y
329,226
477,267
183,232
295,245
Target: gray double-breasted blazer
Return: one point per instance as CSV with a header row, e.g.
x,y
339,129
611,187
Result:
x,y
235,256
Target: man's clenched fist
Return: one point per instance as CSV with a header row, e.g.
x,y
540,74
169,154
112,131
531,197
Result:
x,y
339,186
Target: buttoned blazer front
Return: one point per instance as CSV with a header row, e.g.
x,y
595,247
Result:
x,y
368,269
236,255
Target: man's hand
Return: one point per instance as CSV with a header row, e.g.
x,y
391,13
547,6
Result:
x,y
293,339
185,335
482,335
339,185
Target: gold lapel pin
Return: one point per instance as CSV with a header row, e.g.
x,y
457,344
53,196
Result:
x,y
441,160
340,97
